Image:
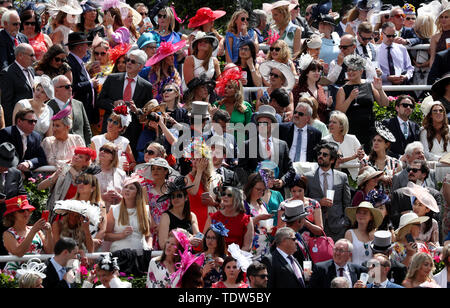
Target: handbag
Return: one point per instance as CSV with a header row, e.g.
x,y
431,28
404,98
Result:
x,y
321,248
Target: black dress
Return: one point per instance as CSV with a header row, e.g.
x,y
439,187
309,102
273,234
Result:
x,y
360,113
175,222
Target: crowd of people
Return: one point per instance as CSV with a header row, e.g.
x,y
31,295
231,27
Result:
x,y
245,158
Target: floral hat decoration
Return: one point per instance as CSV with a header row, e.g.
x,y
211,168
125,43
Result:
x,y
409,9
304,61
355,62
187,259
124,113
243,258
165,49
198,148
108,263
32,266
377,197
234,74
219,227
118,51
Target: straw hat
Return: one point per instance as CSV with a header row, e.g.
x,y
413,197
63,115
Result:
x,y
367,174
267,66
268,7
406,221
350,212
423,195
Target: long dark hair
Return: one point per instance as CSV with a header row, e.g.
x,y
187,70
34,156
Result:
x,y
221,248
80,25
44,64
227,260
373,154
25,15
302,80
427,124
186,208
253,179
252,47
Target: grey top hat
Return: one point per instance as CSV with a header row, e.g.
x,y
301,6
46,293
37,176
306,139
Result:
x,y
293,210
8,156
267,111
199,108
382,241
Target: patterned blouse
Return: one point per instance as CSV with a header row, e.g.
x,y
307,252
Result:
x,y
36,247
158,276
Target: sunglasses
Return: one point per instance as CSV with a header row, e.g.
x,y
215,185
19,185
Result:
x,y
365,38
229,195
245,19
168,90
30,121
274,75
277,49
57,59
131,60
386,16
307,13
412,169
297,7
389,36
106,151
29,23
400,16
84,182
161,16
410,18
322,154
300,114
405,105
438,111
99,53
66,86
176,196
344,46
366,247
144,14
113,122
15,24
150,152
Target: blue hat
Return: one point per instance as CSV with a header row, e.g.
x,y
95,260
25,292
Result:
x,y
147,38
88,6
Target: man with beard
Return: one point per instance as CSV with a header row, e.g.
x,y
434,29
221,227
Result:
x,y
325,178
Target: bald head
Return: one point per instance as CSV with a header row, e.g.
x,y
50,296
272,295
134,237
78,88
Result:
x,y
24,54
348,44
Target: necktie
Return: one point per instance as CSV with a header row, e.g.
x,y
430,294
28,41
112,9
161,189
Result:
x,y
325,183
29,78
390,61
341,272
127,94
405,130
297,272
364,48
16,42
219,171
298,148
269,152
376,286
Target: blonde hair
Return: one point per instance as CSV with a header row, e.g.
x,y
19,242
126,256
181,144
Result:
x,y
424,26
28,280
171,17
111,146
141,209
93,181
239,96
232,27
342,119
284,11
285,52
352,15
438,23
416,263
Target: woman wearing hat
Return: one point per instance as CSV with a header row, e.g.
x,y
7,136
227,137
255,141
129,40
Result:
x,y
312,47
64,20
43,91
117,55
179,214
107,273
435,130
329,50
121,21
90,19
380,200
59,148
409,227
367,181
440,91
199,89
233,275
215,251
365,220
439,40
53,63
356,16
201,61
129,222
356,98
20,239
31,27
280,52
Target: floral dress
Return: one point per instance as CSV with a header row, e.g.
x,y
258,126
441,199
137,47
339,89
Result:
x,y
158,276
392,166
212,276
261,239
36,247
156,209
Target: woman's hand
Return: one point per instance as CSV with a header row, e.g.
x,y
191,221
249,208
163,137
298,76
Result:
x,y
354,94
387,180
202,164
208,267
108,19
195,241
127,232
41,224
411,249
377,83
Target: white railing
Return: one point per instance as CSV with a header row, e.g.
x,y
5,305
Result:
x,y
265,47
95,255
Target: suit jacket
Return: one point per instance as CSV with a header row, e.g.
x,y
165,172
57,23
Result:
x,y
440,66
34,153
248,165
334,219
52,279
411,36
314,137
83,89
389,285
7,47
230,178
112,91
325,272
400,180
398,147
281,274
14,87
81,125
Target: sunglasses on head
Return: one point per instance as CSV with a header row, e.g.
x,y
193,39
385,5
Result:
x,y
277,49
106,150
162,16
113,122
176,196
245,19
80,181
99,53
409,169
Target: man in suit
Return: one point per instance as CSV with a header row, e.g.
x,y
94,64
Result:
x,y
57,275
26,141
127,87
284,270
299,136
416,170
11,183
257,275
364,47
17,80
380,267
10,37
219,151
339,266
63,97
83,86
405,36
326,178
266,147
440,66
404,130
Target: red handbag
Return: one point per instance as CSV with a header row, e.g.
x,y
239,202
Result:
x,y
321,248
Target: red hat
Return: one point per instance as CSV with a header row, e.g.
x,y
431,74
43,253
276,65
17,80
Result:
x,y
16,204
165,49
118,51
86,151
203,16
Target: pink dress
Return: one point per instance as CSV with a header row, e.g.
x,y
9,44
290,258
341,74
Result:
x,y
39,46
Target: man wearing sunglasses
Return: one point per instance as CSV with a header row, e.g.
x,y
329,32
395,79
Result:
x,y
10,37
257,275
393,58
405,36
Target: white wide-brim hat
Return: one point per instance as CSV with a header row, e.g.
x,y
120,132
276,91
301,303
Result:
x,y
267,66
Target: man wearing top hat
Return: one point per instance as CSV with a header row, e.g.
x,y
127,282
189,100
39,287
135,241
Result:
x,y
83,86
11,183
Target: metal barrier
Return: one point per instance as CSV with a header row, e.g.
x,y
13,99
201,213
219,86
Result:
x,y
95,255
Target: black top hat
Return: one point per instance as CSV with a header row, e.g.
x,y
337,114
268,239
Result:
x,y
76,38
177,185
8,156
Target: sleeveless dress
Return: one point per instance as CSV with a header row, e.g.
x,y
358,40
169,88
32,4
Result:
x,y
65,32
176,222
121,143
134,241
233,50
361,251
39,46
36,247
289,34
199,70
442,44
200,210
236,224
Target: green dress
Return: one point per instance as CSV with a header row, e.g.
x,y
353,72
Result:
x,y
238,117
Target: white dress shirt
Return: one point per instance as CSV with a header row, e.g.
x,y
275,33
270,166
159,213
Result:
x,y
304,132
60,103
263,141
401,125
329,178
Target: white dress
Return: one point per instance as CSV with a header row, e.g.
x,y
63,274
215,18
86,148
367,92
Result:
x,y
360,253
121,143
44,120
199,69
112,180
348,147
136,240
437,150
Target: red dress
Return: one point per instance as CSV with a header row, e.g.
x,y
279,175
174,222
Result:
x,y
221,285
39,46
195,202
237,226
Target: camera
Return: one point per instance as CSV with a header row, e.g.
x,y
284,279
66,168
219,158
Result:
x,y
153,116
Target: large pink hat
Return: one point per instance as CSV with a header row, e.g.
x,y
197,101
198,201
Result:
x,y
203,16
187,259
165,49
423,195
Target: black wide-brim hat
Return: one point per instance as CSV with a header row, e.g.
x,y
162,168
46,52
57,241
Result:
x,y
8,158
201,80
439,86
76,38
177,185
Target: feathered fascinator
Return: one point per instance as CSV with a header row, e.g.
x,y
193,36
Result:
x,y
84,208
304,61
234,73
182,239
63,113
377,197
219,227
187,259
32,266
355,62
108,263
198,148
243,258
273,37
123,112
118,51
